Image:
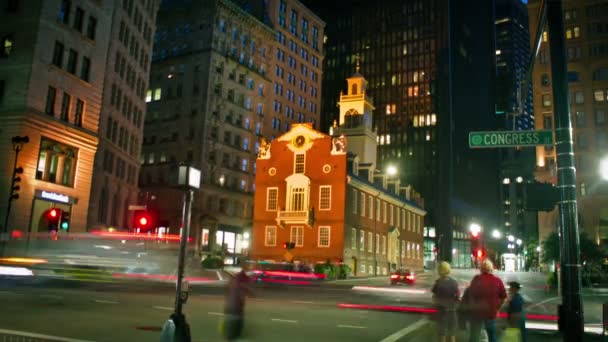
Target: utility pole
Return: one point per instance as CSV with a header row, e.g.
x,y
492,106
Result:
x,y
571,310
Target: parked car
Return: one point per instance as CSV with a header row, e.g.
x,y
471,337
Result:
x,y
404,276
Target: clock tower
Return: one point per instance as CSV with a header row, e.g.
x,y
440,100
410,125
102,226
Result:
x,y
356,118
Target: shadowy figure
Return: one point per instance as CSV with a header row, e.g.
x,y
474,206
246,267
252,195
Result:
x,y
486,296
234,310
515,310
445,298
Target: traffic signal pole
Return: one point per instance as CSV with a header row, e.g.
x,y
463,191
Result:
x,y
571,311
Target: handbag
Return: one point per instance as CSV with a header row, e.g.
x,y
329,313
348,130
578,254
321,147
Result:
x,y
511,335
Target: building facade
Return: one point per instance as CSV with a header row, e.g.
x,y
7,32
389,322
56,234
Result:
x,y
431,69
209,93
297,68
123,107
514,111
51,90
325,194
586,51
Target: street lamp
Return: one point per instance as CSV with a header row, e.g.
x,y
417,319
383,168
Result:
x,y
187,179
519,179
391,170
538,249
511,238
496,234
475,229
519,242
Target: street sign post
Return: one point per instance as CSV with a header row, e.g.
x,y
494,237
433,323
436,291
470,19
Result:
x,y
498,139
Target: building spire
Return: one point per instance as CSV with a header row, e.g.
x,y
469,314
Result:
x,y
357,65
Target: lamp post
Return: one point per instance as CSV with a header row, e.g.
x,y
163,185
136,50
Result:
x,y
18,143
176,329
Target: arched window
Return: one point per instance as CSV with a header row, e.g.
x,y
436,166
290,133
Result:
x,y
354,89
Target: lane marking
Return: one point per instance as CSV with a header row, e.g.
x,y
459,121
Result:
x,y
396,336
215,313
302,302
219,275
105,301
351,326
50,296
542,302
41,336
163,308
283,320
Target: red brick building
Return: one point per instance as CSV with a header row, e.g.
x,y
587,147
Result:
x,y
331,202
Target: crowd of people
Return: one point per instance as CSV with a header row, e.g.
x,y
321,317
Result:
x,y
478,306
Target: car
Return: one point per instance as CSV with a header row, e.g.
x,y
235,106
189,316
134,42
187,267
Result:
x,y
404,276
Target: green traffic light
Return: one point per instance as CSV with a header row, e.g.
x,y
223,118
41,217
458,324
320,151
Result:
x,y
64,225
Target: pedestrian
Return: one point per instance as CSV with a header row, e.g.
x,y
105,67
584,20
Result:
x,y
516,318
234,310
486,294
445,299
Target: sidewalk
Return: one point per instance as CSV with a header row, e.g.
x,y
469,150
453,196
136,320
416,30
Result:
x,y
428,333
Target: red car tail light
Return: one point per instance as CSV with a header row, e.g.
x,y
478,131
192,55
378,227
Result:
x,y
394,276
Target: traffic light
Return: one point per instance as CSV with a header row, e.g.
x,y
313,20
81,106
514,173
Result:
x,y
475,234
15,183
53,217
65,220
289,245
479,253
142,220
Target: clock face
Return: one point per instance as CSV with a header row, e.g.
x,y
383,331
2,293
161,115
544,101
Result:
x,y
300,140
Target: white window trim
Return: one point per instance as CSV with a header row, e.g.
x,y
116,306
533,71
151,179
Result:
x,y
361,240
269,228
363,209
294,237
321,187
353,238
355,200
370,242
328,237
295,163
384,244
268,198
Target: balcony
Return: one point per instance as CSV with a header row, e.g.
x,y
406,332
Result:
x,y
295,217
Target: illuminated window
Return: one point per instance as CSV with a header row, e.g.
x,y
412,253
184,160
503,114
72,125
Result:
x,y
56,163
362,204
547,100
270,236
324,236
403,248
370,242
598,96
545,37
577,31
353,238
149,96
377,243
370,207
272,195
157,94
361,240
7,46
433,119
299,161
569,34
354,201
385,212
325,197
297,235
384,244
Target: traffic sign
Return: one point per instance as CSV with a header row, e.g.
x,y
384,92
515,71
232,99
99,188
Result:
x,y
497,139
133,207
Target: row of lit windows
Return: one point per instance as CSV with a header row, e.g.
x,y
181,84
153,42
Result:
x,y
390,214
408,249
296,235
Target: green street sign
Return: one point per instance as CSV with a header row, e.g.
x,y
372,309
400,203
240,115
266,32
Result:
x,y
510,139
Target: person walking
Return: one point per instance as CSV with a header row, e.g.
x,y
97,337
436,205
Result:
x,y
516,316
445,299
486,295
234,310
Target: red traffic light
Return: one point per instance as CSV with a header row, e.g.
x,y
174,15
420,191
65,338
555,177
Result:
x,y
143,221
53,213
479,254
475,234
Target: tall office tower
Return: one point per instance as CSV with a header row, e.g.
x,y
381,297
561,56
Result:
x,y
297,67
431,69
53,65
117,160
514,111
210,90
586,53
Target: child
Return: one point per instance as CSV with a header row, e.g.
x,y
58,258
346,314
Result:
x,y
516,316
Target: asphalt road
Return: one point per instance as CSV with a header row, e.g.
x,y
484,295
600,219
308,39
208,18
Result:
x,y
276,313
